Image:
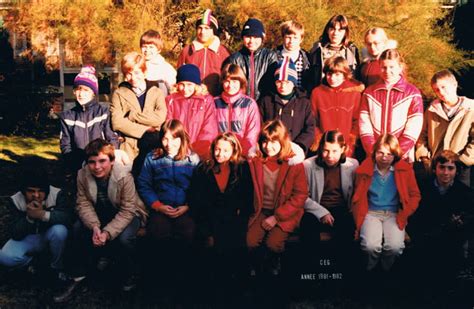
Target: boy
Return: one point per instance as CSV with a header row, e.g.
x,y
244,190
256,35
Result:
x,y
448,125
290,105
85,122
158,72
206,52
257,62
292,33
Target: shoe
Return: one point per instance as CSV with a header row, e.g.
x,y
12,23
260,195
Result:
x,y
102,263
68,291
130,284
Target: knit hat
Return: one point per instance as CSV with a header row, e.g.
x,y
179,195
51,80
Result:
x,y
189,73
209,20
253,27
87,78
286,71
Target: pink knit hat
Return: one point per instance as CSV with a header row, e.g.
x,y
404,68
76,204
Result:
x,y
87,78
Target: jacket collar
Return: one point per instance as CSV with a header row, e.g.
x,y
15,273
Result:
x,y
437,107
401,85
214,46
19,199
367,167
118,172
86,106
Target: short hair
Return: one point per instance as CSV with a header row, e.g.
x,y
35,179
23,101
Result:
x,y
132,59
97,146
291,27
177,130
443,74
152,37
331,136
34,178
337,64
392,143
343,22
376,31
275,130
234,71
444,157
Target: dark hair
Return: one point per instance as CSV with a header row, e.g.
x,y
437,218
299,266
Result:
x,y
343,22
176,129
152,37
332,136
97,146
443,74
35,178
391,142
275,130
337,64
444,157
234,71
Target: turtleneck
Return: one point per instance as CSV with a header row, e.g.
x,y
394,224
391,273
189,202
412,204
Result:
x,y
231,99
294,54
288,96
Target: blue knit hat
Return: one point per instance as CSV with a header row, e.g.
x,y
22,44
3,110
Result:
x,y
253,27
287,71
189,73
87,78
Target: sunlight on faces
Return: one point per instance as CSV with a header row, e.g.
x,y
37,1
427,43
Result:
x,y
186,89
332,153
34,194
391,71
171,144
136,77
292,42
223,151
271,148
383,157
83,94
375,44
335,79
204,33
150,51
284,87
100,166
445,173
336,34
231,86
446,90
252,42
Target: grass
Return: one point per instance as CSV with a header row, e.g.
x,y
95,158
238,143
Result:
x,y
12,147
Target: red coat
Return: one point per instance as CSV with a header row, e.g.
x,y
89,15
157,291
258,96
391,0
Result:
x,y
370,72
407,190
291,189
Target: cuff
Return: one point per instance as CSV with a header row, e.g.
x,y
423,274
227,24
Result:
x,y
46,216
156,205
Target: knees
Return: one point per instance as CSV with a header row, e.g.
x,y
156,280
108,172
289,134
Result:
x,y
57,232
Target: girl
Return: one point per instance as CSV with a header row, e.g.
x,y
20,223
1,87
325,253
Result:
x,y
235,111
330,175
386,194
221,198
333,42
194,108
391,106
280,190
335,103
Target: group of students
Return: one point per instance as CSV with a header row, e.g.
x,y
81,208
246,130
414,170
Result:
x,y
228,169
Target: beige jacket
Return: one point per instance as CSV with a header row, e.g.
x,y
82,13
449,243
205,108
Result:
x,y
130,120
441,134
122,194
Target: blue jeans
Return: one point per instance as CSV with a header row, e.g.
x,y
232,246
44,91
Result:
x,y
19,253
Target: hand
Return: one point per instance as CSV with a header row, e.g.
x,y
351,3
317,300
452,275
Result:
x,y
457,220
180,210
166,210
328,219
98,237
151,129
269,223
34,210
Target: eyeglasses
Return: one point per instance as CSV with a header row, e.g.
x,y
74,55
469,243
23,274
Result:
x,y
383,154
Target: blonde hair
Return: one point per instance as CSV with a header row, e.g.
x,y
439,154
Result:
x,y
291,27
392,144
198,90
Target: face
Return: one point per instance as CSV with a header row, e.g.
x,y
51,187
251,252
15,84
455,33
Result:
x,y
204,33
271,148
375,44
335,79
446,90
252,42
284,87
445,173
149,51
292,42
223,151
391,71
231,86
83,94
186,89
336,34
383,157
34,194
100,166
332,153
135,77
171,144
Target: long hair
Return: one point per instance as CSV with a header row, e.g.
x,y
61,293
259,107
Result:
x,y
332,136
176,129
343,22
275,130
392,144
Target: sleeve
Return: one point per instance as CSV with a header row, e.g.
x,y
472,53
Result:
x,y
182,56
298,196
120,120
365,126
64,136
18,224
199,201
414,198
145,183
315,111
63,211
110,135
208,130
156,116
422,149
247,192
467,155
306,136
84,207
413,125
314,208
253,127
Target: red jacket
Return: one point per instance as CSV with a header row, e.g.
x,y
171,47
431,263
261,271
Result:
x,y
406,185
370,72
292,191
337,108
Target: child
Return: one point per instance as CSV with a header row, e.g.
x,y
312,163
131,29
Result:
x,y
290,105
385,195
335,103
376,41
330,176
137,111
257,62
292,33
391,106
448,125
85,122
194,108
333,42
158,72
221,198
280,191
206,52
235,111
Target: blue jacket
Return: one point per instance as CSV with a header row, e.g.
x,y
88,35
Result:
x,y
166,180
